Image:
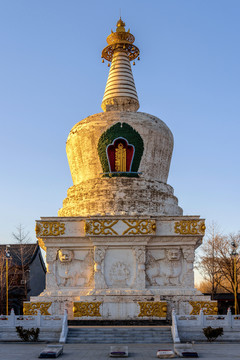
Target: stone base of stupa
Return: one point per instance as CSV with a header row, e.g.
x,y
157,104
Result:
x,y
121,304
120,267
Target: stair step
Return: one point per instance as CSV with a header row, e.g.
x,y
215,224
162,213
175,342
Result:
x,y
118,335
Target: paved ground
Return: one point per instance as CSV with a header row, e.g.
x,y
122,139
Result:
x,y
100,351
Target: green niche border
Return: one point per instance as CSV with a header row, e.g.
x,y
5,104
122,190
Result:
x,y
132,136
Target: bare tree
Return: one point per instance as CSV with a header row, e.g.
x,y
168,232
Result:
x,y
3,278
216,263
22,254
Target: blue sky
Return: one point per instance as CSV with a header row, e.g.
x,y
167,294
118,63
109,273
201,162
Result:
x,y
51,77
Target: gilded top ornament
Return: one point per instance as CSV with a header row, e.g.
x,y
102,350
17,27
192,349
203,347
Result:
x,y
121,40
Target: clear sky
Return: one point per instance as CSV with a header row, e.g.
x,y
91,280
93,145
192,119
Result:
x,y
51,77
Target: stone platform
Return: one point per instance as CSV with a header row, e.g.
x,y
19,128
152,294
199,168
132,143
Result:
x,y
120,267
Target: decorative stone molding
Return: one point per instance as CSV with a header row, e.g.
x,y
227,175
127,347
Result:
x,y
208,307
132,227
49,228
153,308
83,308
190,227
31,308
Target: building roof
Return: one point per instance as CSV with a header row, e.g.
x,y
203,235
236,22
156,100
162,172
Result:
x,y
21,254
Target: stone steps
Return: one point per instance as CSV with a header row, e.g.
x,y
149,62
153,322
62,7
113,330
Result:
x,y
119,335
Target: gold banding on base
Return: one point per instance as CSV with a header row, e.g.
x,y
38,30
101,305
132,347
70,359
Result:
x,y
118,227
153,308
208,307
49,228
190,227
31,308
83,308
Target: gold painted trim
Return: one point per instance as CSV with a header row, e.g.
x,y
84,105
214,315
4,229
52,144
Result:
x,y
49,228
31,308
106,227
190,227
153,308
84,308
209,307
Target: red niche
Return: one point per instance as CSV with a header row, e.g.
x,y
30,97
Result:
x,y
120,155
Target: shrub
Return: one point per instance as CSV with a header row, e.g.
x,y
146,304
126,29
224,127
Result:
x,y
212,333
28,334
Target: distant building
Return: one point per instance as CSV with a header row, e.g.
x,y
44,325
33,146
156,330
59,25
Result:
x,y
225,301
26,275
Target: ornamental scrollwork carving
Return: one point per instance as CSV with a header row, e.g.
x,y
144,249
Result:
x,y
83,308
100,227
49,228
32,308
140,227
118,227
208,307
153,308
190,227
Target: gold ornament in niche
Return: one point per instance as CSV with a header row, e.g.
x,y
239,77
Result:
x,y
190,227
83,308
49,228
32,308
153,308
100,227
120,158
209,307
140,227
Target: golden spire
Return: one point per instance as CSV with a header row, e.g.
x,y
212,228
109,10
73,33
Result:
x,y
121,40
120,93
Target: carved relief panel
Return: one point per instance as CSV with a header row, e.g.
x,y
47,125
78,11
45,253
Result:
x,y
120,268
164,267
73,268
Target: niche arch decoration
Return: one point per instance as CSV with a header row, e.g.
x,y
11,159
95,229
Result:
x,y
120,150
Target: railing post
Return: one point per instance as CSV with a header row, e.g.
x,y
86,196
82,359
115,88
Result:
x,y
201,318
38,319
64,332
12,318
229,317
174,328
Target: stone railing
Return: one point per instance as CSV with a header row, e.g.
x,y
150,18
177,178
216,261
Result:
x,y
64,332
52,327
29,321
174,328
201,320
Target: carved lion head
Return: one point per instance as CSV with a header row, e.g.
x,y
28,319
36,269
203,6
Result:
x,y
65,255
173,254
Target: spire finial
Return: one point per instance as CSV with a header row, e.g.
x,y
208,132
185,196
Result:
x,y
120,39
120,93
